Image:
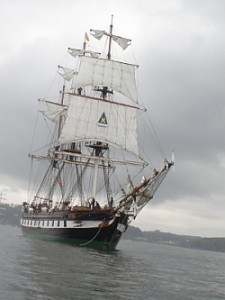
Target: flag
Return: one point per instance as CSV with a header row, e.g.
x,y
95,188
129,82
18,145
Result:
x,y
86,37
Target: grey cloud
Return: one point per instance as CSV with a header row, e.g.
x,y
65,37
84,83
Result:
x,y
180,49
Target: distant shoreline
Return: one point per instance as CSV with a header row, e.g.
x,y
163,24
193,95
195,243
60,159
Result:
x,y
10,215
185,241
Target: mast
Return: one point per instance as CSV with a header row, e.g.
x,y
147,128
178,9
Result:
x,y
85,39
98,147
110,38
62,101
95,179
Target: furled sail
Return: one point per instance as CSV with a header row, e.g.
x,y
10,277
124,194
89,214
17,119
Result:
x,y
66,73
114,74
99,120
53,111
98,34
78,52
75,52
121,41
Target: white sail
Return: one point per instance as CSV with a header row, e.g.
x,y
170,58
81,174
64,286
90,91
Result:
x,y
66,73
98,34
53,111
114,74
75,52
122,42
99,120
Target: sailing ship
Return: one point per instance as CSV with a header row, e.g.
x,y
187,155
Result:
x,y
95,180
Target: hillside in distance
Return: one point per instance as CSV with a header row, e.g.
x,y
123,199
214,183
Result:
x,y
195,242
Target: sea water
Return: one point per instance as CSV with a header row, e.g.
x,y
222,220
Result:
x,y
35,269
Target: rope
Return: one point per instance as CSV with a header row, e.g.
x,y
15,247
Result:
x,y
91,240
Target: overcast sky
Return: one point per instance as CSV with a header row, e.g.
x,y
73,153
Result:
x,y
180,47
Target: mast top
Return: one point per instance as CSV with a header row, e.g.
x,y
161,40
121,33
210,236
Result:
x,y
110,38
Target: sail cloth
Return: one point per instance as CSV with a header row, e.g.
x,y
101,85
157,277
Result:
x,y
98,34
66,73
98,120
78,52
101,72
121,41
53,111
75,52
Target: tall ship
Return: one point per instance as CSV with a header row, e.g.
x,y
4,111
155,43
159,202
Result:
x,y
93,177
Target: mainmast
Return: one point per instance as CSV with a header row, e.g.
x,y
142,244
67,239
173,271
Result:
x,y
110,38
99,146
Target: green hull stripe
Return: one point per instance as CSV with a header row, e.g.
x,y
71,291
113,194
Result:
x,y
77,242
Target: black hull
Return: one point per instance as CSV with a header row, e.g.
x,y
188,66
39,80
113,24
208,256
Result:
x,y
101,237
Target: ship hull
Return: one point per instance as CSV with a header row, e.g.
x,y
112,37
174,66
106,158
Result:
x,y
100,234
